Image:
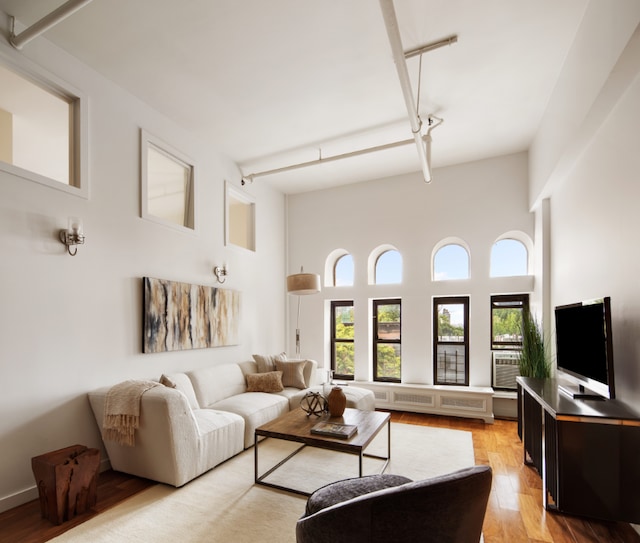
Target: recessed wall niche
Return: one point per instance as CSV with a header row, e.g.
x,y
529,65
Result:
x,y
240,229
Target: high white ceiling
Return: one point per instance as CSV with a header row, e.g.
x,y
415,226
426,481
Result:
x,y
279,82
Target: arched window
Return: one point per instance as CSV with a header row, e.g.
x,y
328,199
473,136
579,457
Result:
x,y
343,271
509,257
388,268
451,261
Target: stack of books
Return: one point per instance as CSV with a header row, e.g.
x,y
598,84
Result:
x,y
334,429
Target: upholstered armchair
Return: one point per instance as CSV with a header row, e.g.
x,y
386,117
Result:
x,y
383,508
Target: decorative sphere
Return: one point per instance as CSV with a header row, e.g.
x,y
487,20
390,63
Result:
x,y
313,403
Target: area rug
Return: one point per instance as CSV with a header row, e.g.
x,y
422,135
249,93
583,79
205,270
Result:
x,y
224,505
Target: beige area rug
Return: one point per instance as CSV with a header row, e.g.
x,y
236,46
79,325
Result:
x,y
225,506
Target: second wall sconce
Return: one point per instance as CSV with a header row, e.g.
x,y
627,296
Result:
x,y
73,235
220,273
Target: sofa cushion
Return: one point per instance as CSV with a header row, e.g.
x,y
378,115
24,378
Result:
x,y
341,491
270,381
292,373
181,382
216,383
268,362
256,408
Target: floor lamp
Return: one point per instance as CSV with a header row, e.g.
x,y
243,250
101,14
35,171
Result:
x,y
302,284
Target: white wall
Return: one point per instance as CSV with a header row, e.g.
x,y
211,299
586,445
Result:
x,y
477,202
72,324
595,221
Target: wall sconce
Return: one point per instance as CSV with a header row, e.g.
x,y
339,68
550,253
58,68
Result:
x,y
220,273
73,235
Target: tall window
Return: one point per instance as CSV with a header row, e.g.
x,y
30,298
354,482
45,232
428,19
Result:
x,y
389,268
506,320
387,336
342,347
451,340
343,271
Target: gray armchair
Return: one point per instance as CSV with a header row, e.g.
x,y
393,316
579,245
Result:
x,y
390,508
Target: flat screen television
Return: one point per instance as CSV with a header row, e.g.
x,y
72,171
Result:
x,y
584,348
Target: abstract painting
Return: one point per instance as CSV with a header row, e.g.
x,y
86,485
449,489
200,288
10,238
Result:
x,y
180,316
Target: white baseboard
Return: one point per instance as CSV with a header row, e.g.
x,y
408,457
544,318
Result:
x,y
14,500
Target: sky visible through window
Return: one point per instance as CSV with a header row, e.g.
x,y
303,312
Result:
x,y
451,262
344,271
508,258
389,268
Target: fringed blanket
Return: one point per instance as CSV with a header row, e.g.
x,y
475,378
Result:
x,y
122,411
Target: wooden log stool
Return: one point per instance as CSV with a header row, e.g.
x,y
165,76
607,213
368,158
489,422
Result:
x,y
67,481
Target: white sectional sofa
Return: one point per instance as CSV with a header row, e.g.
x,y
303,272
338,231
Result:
x,y
200,418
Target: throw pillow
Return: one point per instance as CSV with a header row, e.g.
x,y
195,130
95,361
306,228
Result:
x,y
292,373
270,381
181,382
268,362
164,380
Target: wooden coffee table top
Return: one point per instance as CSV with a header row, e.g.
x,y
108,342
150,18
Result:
x,y
296,426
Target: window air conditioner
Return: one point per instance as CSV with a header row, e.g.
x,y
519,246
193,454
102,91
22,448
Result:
x,y
505,369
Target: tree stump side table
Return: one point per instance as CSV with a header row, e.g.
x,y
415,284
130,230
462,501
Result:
x,y
67,481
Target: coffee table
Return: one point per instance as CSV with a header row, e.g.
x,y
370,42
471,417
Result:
x,y
296,426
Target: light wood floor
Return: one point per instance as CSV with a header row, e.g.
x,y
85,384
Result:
x,y
514,513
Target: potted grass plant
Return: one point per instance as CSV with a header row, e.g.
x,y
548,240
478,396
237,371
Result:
x,y
534,358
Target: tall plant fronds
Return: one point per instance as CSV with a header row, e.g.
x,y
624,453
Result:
x,y
534,357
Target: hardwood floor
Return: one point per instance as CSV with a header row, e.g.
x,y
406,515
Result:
x,y
514,514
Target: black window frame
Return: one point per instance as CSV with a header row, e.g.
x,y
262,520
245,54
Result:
x,y
449,300
507,301
335,340
377,340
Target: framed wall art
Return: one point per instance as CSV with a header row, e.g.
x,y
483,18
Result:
x,y
180,316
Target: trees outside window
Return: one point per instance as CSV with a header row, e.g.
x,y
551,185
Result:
x,y
451,340
506,320
342,339
387,340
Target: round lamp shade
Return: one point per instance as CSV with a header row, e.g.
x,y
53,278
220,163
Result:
x,y
303,283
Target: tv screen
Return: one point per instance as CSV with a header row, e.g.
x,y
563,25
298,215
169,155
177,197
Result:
x,y
584,347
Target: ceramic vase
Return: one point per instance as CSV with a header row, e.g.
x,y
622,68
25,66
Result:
x,y
337,402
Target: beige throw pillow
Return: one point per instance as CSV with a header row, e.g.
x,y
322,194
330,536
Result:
x,y
270,381
292,373
267,363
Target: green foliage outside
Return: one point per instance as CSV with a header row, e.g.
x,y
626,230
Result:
x,y
389,359
507,322
344,330
445,328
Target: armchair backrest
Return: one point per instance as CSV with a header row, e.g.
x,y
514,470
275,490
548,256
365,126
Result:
x,y
444,509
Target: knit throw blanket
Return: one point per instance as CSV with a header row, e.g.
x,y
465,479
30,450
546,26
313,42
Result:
x,y
122,410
